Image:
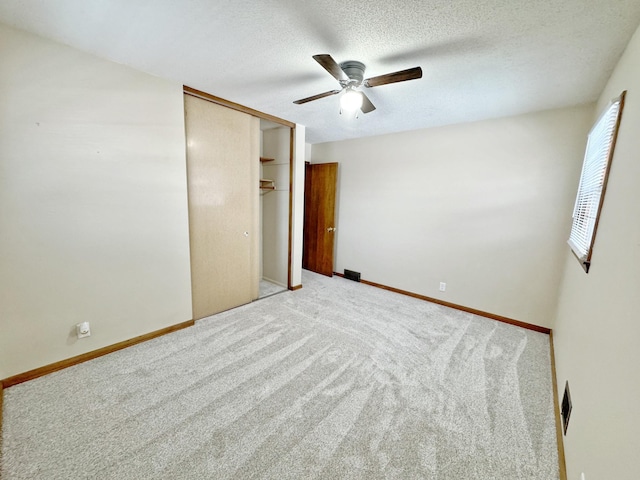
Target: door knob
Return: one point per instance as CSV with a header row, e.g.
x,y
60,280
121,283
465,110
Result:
x,y
331,229
246,234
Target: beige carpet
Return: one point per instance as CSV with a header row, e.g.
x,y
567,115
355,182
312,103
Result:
x,y
268,288
338,380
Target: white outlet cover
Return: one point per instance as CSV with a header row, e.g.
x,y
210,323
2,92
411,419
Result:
x,y
83,330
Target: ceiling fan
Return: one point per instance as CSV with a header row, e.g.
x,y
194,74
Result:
x,y
350,75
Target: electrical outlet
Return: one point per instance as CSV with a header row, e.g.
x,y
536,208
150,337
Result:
x,y
583,476
443,286
83,330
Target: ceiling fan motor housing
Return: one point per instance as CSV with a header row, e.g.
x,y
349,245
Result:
x,y
354,70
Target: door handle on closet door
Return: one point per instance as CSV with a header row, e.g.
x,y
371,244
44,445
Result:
x,y
246,234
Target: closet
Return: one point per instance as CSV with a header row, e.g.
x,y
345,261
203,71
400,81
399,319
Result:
x,y
239,191
275,166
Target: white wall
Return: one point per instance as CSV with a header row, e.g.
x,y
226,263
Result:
x,y
598,323
93,202
484,207
275,205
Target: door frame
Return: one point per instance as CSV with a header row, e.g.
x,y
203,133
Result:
x,y
256,113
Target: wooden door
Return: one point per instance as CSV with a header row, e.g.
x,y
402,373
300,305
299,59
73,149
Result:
x,y
222,177
319,217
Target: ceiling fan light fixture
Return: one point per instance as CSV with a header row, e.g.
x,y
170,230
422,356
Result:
x,y
351,100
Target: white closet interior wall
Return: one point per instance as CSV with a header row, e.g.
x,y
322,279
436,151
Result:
x,y
274,204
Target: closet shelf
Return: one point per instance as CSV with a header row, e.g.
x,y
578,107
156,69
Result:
x,y
265,159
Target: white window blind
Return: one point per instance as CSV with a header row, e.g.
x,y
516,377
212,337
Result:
x,y
593,180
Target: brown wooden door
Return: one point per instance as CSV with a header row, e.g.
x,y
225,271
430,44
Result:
x,y
319,217
222,175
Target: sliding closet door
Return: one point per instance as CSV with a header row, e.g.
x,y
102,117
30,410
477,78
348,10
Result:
x,y
222,170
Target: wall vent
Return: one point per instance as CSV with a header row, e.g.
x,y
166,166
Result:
x,y
351,275
566,408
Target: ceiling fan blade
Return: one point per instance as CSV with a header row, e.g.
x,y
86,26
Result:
x,y
367,106
401,76
316,97
330,65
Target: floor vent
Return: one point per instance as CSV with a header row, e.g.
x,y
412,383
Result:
x,y
566,408
351,275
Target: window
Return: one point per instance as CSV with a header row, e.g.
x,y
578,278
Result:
x,y
593,181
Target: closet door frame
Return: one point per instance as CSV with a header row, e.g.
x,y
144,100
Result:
x,y
241,108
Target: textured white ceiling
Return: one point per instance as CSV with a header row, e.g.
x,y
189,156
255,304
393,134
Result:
x,y
481,58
